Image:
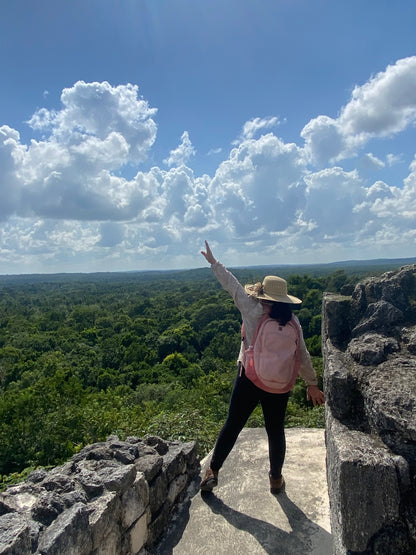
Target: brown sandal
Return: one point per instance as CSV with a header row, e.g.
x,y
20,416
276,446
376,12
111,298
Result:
x,y
210,480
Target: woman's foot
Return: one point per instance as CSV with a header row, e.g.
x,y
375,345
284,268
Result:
x,y
210,480
276,484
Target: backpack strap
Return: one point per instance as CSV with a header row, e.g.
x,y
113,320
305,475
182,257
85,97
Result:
x,y
297,328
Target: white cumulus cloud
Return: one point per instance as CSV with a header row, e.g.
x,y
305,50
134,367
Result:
x,y
65,202
383,106
182,154
255,125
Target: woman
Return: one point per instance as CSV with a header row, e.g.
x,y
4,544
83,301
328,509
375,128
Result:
x,y
254,301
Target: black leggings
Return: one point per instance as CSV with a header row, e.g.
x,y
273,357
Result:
x,y
244,399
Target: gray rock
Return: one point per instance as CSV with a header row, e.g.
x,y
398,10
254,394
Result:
x,y
72,497
48,507
126,456
363,479
68,535
20,497
55,481
158,525
339,320
99,453
390,401
372,348
176,487
4,508
37,476
150,465
380,315
145,449
158,492
159,444
99,502
104,513
370,386
134,501
190,451
411,345
339,383
91,482
393,539
15,535
117,478
174,461
110,542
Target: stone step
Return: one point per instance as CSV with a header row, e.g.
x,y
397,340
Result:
x,y
242,516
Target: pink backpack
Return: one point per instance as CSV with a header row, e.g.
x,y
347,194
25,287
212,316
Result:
x,y
272,362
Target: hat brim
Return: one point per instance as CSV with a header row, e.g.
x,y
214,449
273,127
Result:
x,y
289,299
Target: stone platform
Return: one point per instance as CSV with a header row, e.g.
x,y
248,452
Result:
x,y
242,516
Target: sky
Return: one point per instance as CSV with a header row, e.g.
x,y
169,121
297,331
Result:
x,y
281,131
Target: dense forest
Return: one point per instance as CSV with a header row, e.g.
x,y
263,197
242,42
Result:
x,y
88,355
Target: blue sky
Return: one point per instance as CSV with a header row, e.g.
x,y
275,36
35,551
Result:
x,y
130,131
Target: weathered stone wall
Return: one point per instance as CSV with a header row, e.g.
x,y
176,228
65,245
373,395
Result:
x,y
369,348
113,498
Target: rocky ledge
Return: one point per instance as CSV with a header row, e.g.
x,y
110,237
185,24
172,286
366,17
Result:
x,y
114,497
369,348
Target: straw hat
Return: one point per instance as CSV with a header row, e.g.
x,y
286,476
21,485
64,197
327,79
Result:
x,y
273,288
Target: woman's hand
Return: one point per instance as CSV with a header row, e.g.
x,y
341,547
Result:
x,y
314,394
208,254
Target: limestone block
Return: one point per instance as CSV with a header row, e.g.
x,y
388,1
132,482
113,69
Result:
x,y
18,498
176,487
411,346
117,478
145,449
37,476
393,287
372,348
124,452
338,382
380,315
68,534
174,462
110,542
90,482
59,482
99,503
390,402
158,524
157,492
72,497
103,513
363,484
47,507
190,451
137,535
97,451
338,319
134,501
14,535
161,446
150,465
390,396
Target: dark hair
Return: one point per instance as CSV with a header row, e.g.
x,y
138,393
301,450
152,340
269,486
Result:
x,y
281,312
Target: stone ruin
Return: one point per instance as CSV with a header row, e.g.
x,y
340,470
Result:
x,y
112,498
117,497
369,349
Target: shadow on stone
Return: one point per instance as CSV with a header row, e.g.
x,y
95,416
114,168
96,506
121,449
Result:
x,y
304,536
178,523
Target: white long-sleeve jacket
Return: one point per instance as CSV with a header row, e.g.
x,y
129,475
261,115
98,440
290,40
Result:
x,y
251,311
